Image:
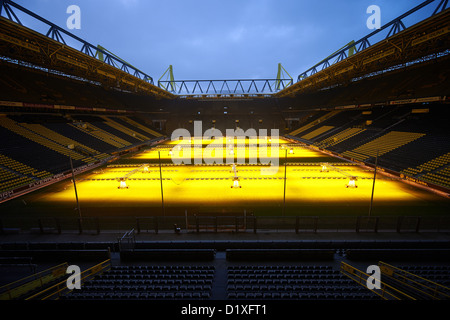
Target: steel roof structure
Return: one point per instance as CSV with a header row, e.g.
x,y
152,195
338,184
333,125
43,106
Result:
x,y
400,48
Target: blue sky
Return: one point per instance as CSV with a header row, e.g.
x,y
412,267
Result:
x,y
221,39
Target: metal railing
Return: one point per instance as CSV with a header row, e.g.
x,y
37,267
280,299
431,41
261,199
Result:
x,y
56,291
232,222
20,287
386,291
127,241
422,287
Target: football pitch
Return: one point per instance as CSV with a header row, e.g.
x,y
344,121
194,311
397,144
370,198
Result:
x,y
297,181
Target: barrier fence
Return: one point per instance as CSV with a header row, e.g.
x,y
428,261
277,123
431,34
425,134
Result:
x,y
22,286
423,288
56,291
237,223
385,291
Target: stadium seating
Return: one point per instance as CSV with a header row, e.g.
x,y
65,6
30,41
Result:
x,y
441,177
418,282
279,254
395,132
10,180
399,254
19,167
71,132
23,131
128,131
439,274
48,114
138,128
407,158
167,254
148,283
423,80
317,132
313,123
98,130
316,282
135,123
56,137
14,174
383,144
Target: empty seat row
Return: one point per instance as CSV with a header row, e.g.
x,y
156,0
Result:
x,y
439,277
286,281
264,268
156,276
154,267
294,288
160,271
430,272
301,296
426,268
155,281
285,275
136,296
150,288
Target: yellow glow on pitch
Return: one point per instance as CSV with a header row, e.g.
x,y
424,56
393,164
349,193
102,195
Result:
x,y
238,149
200,185
224,140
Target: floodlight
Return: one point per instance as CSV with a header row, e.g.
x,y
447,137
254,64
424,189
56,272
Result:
x,y
122,184
291,151
352,183
236,183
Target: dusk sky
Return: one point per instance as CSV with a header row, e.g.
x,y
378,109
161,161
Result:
x,y
221,39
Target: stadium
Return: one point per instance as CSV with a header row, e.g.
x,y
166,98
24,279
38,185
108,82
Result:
x,y
234,190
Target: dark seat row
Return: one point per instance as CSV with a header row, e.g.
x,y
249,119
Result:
x,y
156,267
265,268
155,281
430,272
272,273
136,296
295,288
302,296
146,288
158,272
428,268
156,276
168,254
289,278
338,281
279,254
